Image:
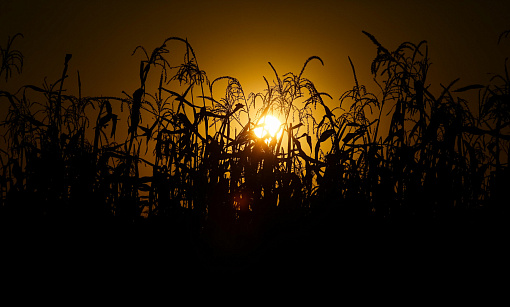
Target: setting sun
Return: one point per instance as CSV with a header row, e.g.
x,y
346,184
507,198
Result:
x,y
268,124
233,138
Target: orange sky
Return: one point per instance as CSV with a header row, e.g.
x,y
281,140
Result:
x,y
238,38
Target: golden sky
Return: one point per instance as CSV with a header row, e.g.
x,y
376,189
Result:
x,y
239,38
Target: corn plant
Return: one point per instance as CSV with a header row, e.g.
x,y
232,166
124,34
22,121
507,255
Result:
x,y
172,151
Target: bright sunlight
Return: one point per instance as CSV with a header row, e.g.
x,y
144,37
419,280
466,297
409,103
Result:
x,y
268,125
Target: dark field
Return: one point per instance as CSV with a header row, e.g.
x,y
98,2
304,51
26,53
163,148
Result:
x,y
402,181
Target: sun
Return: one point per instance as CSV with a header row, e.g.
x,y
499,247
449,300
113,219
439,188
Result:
x,y
268,125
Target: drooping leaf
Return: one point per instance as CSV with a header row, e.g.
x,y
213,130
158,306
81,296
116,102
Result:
x,y
353,124
108,106
309,141
469,87
297,126
114,125
105,119
353,135
349,136
135,110
34,121
326,134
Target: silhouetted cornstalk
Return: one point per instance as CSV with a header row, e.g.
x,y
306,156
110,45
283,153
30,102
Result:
x,y
174,151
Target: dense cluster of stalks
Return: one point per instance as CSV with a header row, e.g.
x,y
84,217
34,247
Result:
x,y
173,152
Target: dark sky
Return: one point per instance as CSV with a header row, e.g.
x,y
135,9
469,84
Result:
x,y
238,38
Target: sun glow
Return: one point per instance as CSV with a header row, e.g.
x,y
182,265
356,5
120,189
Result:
x,y
268,125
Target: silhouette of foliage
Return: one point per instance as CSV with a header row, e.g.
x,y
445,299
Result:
x,y
193,161
10,58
